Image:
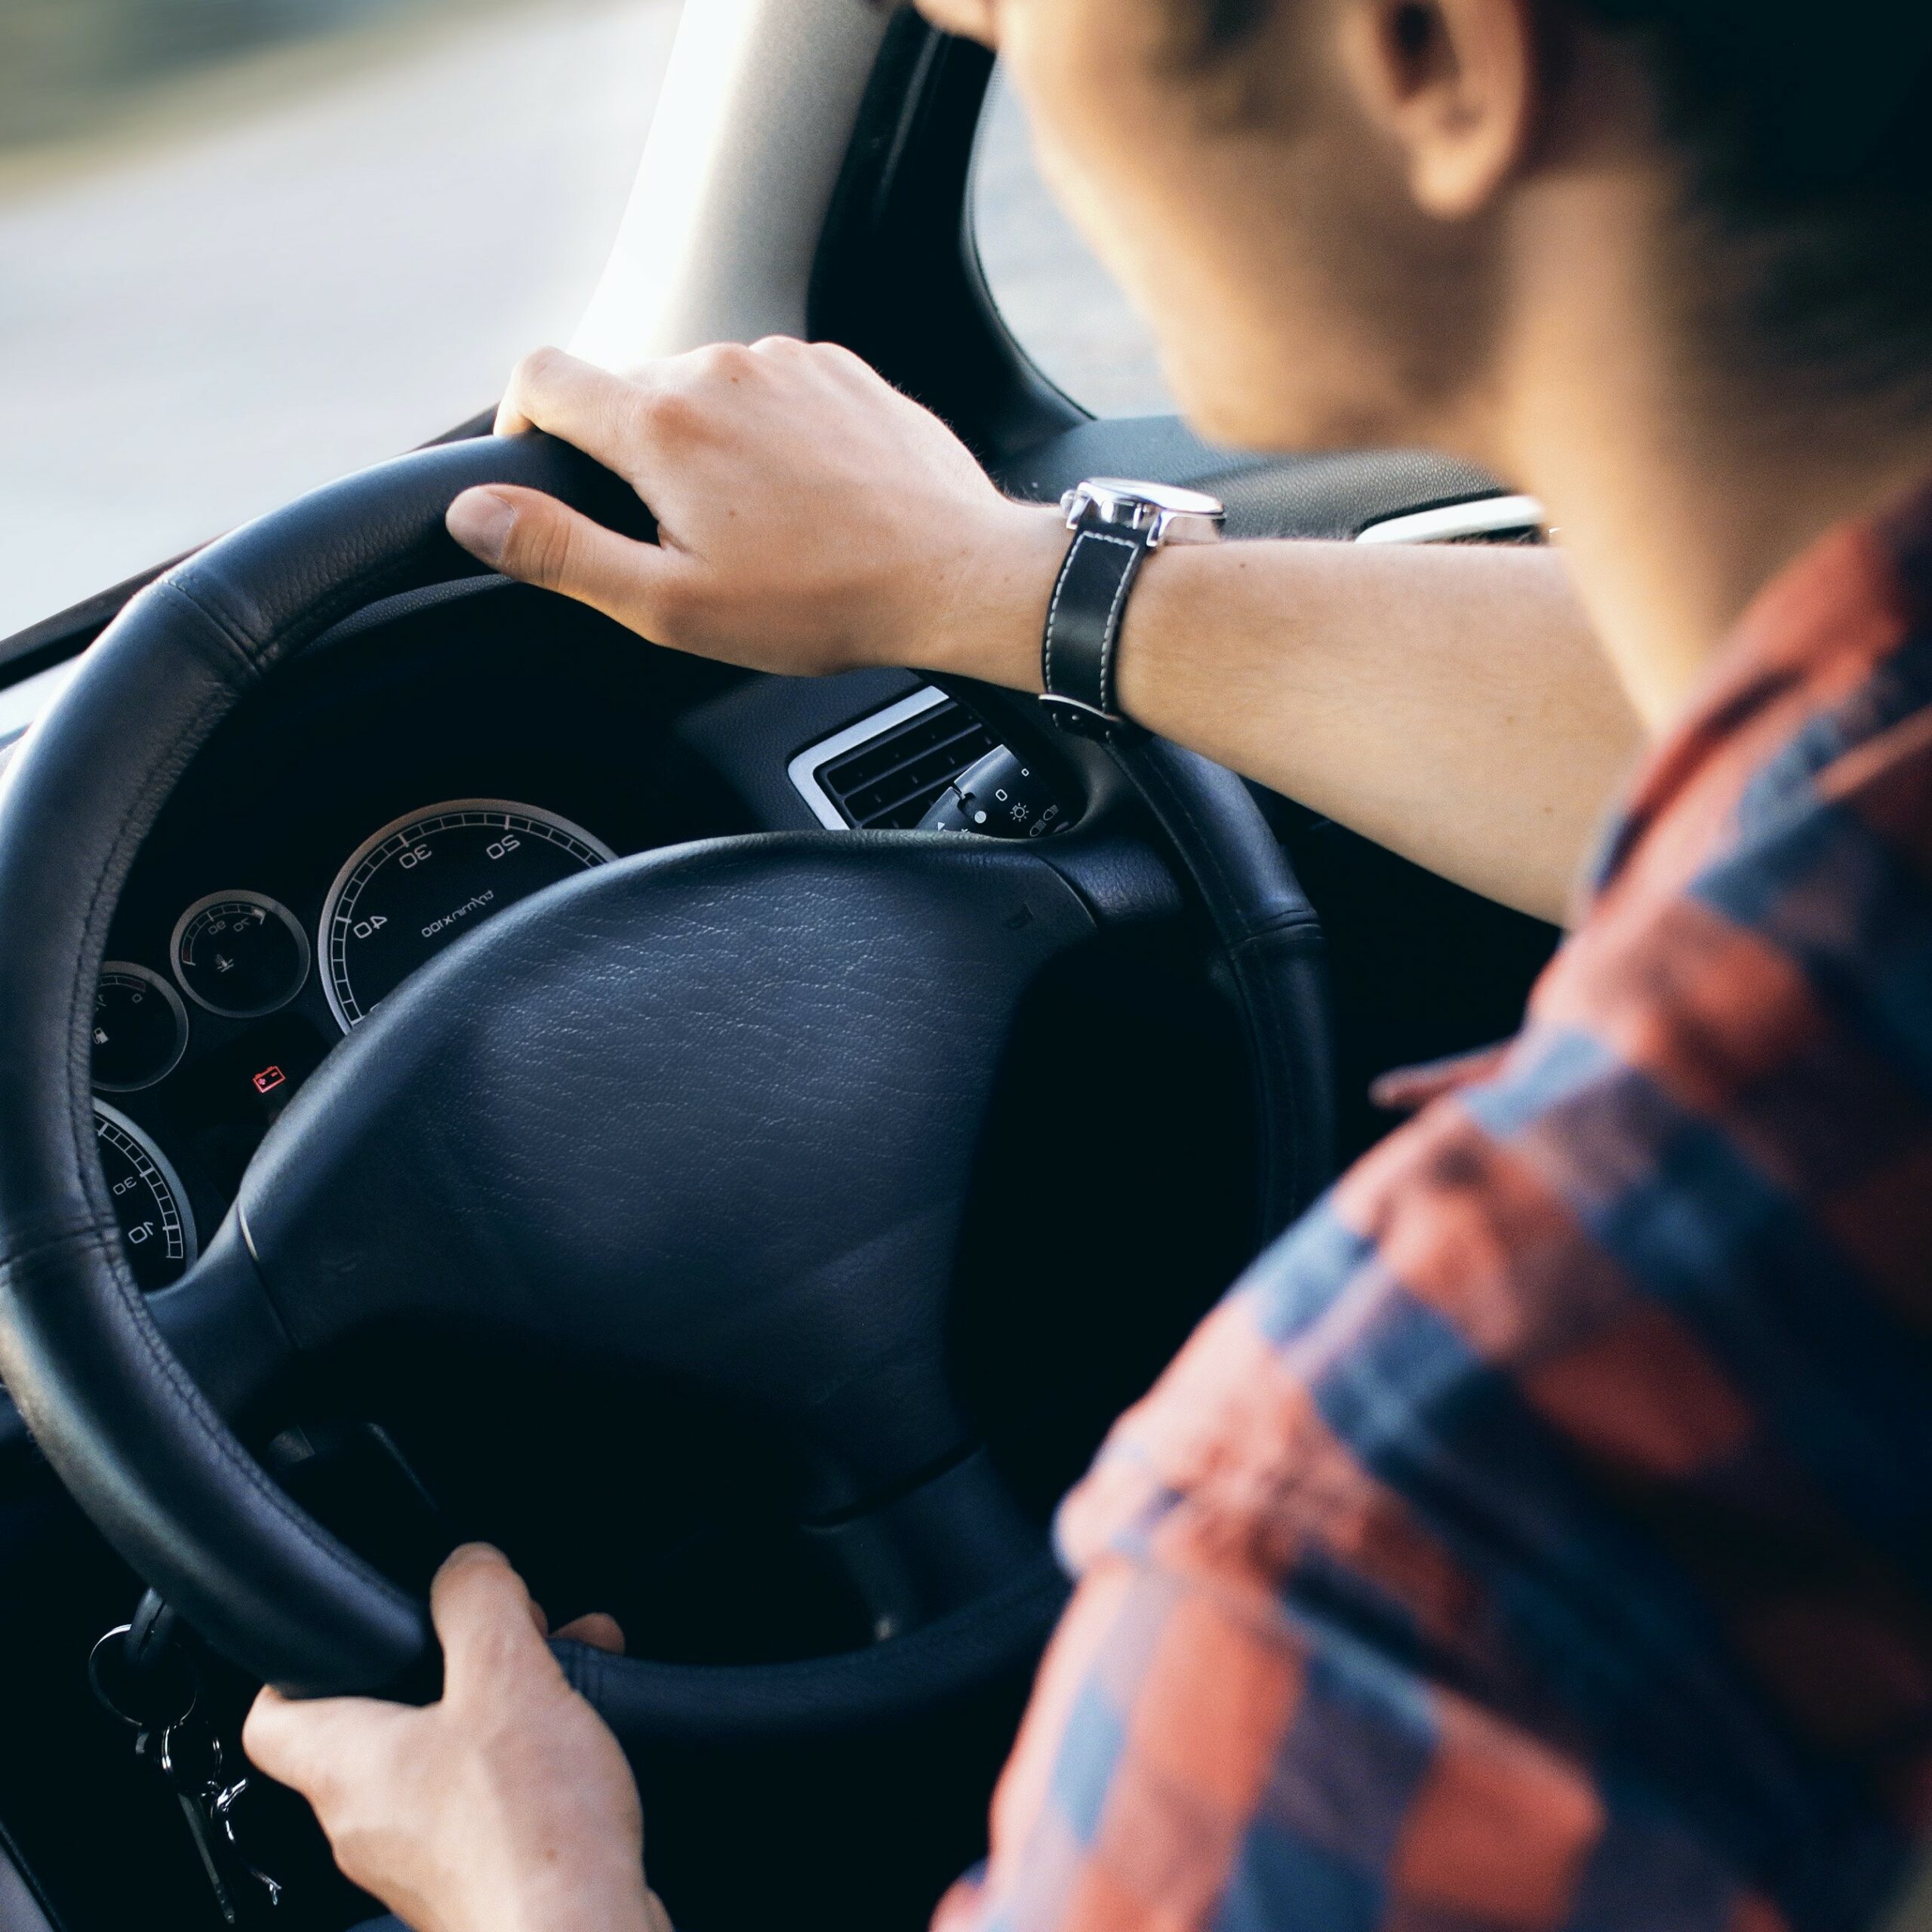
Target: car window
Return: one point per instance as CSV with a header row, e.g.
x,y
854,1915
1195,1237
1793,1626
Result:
x,y
1061,305
246,245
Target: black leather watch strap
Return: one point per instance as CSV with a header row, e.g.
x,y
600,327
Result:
x,y
1083,624
1114,524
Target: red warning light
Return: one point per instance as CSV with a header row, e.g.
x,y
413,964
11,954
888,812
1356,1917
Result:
x,y
269,1079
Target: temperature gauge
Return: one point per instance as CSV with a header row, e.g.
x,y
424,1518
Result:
x,y
240,954
139,1028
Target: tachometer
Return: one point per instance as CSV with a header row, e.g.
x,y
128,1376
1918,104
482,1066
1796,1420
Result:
x,y
157,1225
423,881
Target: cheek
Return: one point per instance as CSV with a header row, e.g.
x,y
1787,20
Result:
x,y
1102,99
1247,332
1254,258
1119,146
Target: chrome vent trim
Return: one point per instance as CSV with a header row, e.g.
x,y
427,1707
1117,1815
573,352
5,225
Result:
x,y
915,763
804,770
1485,520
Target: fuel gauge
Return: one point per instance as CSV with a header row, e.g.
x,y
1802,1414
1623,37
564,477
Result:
x,y
139,1028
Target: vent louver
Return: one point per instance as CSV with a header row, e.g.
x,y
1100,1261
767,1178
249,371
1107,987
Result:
x,y
888,783
1480,520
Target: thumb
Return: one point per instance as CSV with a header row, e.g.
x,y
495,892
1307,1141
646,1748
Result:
x,y
534,538
316,1747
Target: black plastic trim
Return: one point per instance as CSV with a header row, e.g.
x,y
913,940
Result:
x,y
897,278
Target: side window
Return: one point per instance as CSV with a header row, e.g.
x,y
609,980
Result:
x,y
247,245
1061,305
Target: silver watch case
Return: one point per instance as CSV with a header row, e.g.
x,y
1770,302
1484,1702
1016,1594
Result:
x,y
1163,514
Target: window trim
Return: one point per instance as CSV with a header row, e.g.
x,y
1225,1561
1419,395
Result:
x,y
897,278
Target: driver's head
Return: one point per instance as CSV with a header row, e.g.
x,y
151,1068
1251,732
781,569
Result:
x,y
1366,220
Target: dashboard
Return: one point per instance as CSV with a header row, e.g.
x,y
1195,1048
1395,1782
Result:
x,y
422,769
435,760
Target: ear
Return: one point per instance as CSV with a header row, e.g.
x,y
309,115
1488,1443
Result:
x,y
1455,84
972,20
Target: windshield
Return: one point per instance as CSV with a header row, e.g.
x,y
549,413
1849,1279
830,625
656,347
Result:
x,y
246,245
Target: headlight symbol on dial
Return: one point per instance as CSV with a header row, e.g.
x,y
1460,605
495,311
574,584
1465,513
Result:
x,y
157,1225
425,880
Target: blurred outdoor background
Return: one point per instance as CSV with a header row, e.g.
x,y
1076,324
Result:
x,y
246,245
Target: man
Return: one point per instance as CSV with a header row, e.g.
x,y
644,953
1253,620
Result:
x,y
1538,1538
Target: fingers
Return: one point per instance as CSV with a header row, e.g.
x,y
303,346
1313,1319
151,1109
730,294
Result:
x,y
600,1631
577,400
482,1614
529,536
637,423
596,1628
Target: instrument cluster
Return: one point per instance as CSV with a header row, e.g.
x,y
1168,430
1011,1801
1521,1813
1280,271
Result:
x,y
259,999
433,760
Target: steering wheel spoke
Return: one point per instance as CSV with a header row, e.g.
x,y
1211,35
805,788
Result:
x,y
935,1548
224,1329
220,1326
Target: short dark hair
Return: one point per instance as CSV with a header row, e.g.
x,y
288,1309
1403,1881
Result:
x,y
1808,141
1809,138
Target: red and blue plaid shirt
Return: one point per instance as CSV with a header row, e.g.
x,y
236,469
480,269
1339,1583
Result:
x,y
1541,1537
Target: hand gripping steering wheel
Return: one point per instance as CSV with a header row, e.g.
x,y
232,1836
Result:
x,y
705,1112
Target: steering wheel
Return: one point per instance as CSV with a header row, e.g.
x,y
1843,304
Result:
x,y
703,1113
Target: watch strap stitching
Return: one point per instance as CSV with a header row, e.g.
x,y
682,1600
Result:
x,y
1053,609
1110,637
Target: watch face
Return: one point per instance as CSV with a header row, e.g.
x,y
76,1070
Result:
x,y
1160,513
1162,496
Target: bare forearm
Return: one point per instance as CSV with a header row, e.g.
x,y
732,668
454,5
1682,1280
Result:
x,y
1451,703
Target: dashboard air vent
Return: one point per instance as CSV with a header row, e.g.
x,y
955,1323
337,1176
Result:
x,y
883,773
1482,520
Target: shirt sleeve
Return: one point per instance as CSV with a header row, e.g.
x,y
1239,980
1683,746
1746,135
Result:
x,y
1350,1628
1193,1759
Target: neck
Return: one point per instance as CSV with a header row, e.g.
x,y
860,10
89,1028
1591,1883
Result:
x,y
1677,493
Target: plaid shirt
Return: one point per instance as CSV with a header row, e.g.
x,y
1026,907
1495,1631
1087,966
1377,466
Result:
x,y
1538,1537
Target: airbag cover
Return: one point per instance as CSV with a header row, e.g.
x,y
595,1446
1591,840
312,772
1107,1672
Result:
x,y
711,1112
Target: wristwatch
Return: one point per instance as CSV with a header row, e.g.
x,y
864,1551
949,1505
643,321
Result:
x,y
1115,524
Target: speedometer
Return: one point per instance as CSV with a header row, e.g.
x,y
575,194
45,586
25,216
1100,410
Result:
x,y
408,890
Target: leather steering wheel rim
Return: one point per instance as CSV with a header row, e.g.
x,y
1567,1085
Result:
x,y
136,1442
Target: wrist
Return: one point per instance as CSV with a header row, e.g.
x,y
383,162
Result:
x,y
1172,582
989,626
574,1902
